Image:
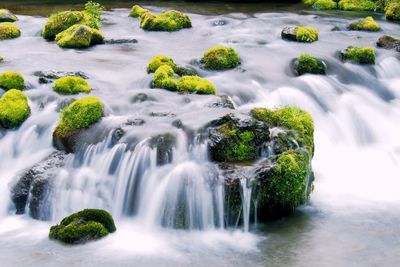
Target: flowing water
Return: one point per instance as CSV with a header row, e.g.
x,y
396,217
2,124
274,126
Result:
x,y
353,218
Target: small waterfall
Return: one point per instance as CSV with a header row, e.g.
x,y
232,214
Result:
x,y
246,202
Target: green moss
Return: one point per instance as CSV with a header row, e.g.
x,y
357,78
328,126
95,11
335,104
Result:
x,y
80,114
306,63
364,55
9,30
220,58
158,61
1,59
11,80
367,24
71,85
164,78
292,119
195,84
170,20
325,4
95,10
79,36
7,16
85,225
393,11
357,5
137,11
309,2
306,34
14,109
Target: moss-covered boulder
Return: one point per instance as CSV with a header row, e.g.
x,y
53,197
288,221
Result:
x,y
357,5
300,34
158,61
164,78
389,42
80,115
11,80
306,63
79,36
359,55
170,20
220,58
325,4
7,16
393,11
14,109
71,85
196,85
367,24
137,11
83,226
9,30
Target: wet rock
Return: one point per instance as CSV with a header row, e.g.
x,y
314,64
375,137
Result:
x,y
162,114
120,41
164,143
306,63
185,71
139,98
135,122
220,22
116,135
63,103
389,42
50,76
223,102
289,33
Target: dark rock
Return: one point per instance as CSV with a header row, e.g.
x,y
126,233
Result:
x,y
185,71
289,33
116,135
219,23
139,98
135,122
121,41
164,143
223,102
63,103
50,76
389,42
162,114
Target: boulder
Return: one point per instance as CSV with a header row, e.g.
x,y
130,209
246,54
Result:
x,y
306,63
79,36
367,24
359,55
7,16
50,76
170,20
9,30
300,34
220,58
14,109
11,80
389,42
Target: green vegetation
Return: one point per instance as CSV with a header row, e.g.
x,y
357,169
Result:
x,y
220,58
306,34
1,59
158,61
367,24
9,30
197,85
306,63
14,109
137,11
357,5
393,11
71,85
7,16
11,80
83,226
325,4
364,55
79,36
164,78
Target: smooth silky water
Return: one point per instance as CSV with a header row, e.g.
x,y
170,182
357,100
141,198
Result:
x,y
353,218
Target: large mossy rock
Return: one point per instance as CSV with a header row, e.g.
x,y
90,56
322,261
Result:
x,y
79,36
14,109
272,150
367,24
220,58
306,63
9,30
11,80
359,55
80,115
357,5
71,85
7,16
300,34
83,226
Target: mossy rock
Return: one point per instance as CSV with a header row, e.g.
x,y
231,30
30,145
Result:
x,y
12,80
9,30
220,58
14,109
325,5
389,42
367,24
7,16
306,63
1,59
164,78
170,20
359,55
309,2
196,85
83,226
79,36
357,5
158,61
137,11
393,11
300,34
81,114
71,85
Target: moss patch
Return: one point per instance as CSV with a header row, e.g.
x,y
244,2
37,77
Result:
x,y
79,36
83,226
158,61
220,58
7,16
137,11
306,63
306,34
197,85
360,55
170,20
325,5
14,109
71,85
164,78
393,11
357,5
367,24
9,30
11,80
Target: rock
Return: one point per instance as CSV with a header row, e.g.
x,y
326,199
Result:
x,y
185,71
223,101
120,41
14,109
9,30
64,103
116,135
83,226
164,143
220,58
325,4
34,184
357,5
7,16
359,55
220,22
162,114
79,36
289,33
367,24
139,98
389,42
12,80
170,20
135,122
50,76
71,85
306,63
137,11
300,34
196,84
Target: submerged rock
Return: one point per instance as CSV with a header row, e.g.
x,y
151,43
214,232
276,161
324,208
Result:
x,y
389,42
83,226
79,36
306,63
359,55
7,16
14,109
9,30
223,101
164,143
300,34
50,76
120,41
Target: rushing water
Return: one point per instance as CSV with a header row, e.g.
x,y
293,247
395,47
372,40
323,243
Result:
x,y
353,217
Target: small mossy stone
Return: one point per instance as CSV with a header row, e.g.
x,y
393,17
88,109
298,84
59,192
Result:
x,y
83,226
306,63
12,80
79,36
14,109
170,20
393,11
164,78
357,5
367,24
158,61
306,34
220,58
197,85
70,85
9,30
325,5
359,55
137,11
7,16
